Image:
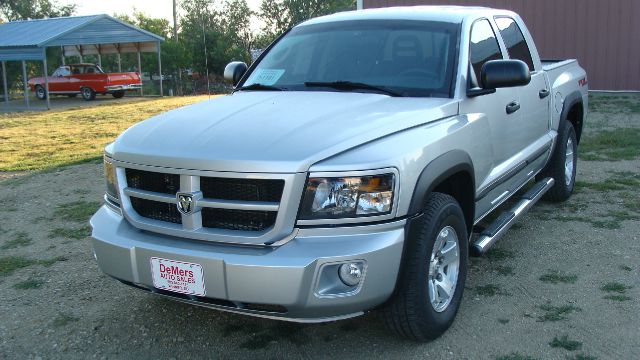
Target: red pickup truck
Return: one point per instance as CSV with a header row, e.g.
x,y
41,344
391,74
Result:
x,y
86,80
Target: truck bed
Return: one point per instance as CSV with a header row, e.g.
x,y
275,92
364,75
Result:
x,y
551,64
562,73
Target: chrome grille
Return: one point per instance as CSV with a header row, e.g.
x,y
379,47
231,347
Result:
x,y
245,220
241,189
153,181
156,210
221,205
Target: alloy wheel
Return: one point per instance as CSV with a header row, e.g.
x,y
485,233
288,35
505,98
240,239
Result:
x,y
443,269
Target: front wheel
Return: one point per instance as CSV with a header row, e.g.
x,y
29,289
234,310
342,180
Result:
x,y
431,281
562,165
87,93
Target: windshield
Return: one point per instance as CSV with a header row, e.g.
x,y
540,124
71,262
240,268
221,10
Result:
x,y
411,58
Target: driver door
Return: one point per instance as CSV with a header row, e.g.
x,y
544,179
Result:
x,y
59,80
484,47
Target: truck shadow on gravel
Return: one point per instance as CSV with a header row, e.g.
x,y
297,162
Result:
x,y
196,325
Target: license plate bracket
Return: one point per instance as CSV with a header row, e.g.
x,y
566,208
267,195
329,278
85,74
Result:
x,y
178,276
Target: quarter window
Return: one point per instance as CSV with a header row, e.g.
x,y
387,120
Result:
x,y
514,40
484,47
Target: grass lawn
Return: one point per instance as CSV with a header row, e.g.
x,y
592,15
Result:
x,y
43,140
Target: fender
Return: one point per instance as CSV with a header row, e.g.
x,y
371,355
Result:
x,y
432,175
435,172
569,101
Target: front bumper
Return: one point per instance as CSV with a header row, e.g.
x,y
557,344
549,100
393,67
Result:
x,y
282,282
123,87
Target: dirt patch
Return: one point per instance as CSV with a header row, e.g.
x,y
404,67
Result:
x,y
563,283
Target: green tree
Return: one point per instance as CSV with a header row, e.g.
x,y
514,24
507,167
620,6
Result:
x,y
173,53
155,25
280,15
12,10
236,24
200,29
223,27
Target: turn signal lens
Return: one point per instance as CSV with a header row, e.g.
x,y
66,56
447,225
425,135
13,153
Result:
x,y
110,179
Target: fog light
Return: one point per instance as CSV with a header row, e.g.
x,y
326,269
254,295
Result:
x,y
350,273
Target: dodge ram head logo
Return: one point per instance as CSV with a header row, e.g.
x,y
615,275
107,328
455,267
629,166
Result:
x,y
185,203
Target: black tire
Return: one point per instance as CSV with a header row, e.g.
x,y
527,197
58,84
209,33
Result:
x,y
410,313
87,93
118,94
40,92
563,187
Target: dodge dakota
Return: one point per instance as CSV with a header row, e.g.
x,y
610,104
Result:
x,y
348,170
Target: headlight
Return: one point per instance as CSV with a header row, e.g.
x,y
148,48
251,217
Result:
x,y
345,197
110,179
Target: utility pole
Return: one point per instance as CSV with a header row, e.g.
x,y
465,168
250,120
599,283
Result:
x,y
175,38
175,22
206,61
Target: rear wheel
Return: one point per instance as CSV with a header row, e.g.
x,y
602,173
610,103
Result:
x,y
88,93
562,165
118,94
40,93
432,278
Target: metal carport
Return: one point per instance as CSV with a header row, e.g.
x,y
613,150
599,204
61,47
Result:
x,y
28,40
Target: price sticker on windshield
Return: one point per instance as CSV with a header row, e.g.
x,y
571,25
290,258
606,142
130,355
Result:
x,y
265,76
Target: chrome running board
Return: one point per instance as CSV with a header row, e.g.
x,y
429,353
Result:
x,y
503,222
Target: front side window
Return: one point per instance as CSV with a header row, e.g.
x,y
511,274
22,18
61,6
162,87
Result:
x,y
514,40
62,71
412,58
483,47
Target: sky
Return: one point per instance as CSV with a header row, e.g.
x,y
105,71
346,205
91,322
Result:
x,y
152,8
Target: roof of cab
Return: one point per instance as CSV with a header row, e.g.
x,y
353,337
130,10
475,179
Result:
x,y
454,14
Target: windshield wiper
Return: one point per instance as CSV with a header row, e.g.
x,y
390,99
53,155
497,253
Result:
x,y
258,86
350,85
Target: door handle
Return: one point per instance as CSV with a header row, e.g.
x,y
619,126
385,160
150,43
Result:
x,y
543,93
513,107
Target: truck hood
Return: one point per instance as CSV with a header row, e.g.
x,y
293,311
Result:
x,y
275,132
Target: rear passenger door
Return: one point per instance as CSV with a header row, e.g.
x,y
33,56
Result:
x,y
534,98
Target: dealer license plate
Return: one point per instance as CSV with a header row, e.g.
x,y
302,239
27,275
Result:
x,y
177,276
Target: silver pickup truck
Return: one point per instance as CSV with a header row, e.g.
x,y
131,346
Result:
x,y
348,170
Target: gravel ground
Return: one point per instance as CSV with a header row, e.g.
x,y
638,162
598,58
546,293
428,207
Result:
x,y
564,270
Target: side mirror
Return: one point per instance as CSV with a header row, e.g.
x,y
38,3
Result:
x,y
504,73
234,70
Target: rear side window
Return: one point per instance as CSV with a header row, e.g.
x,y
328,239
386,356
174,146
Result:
x,y
514,40
484,47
